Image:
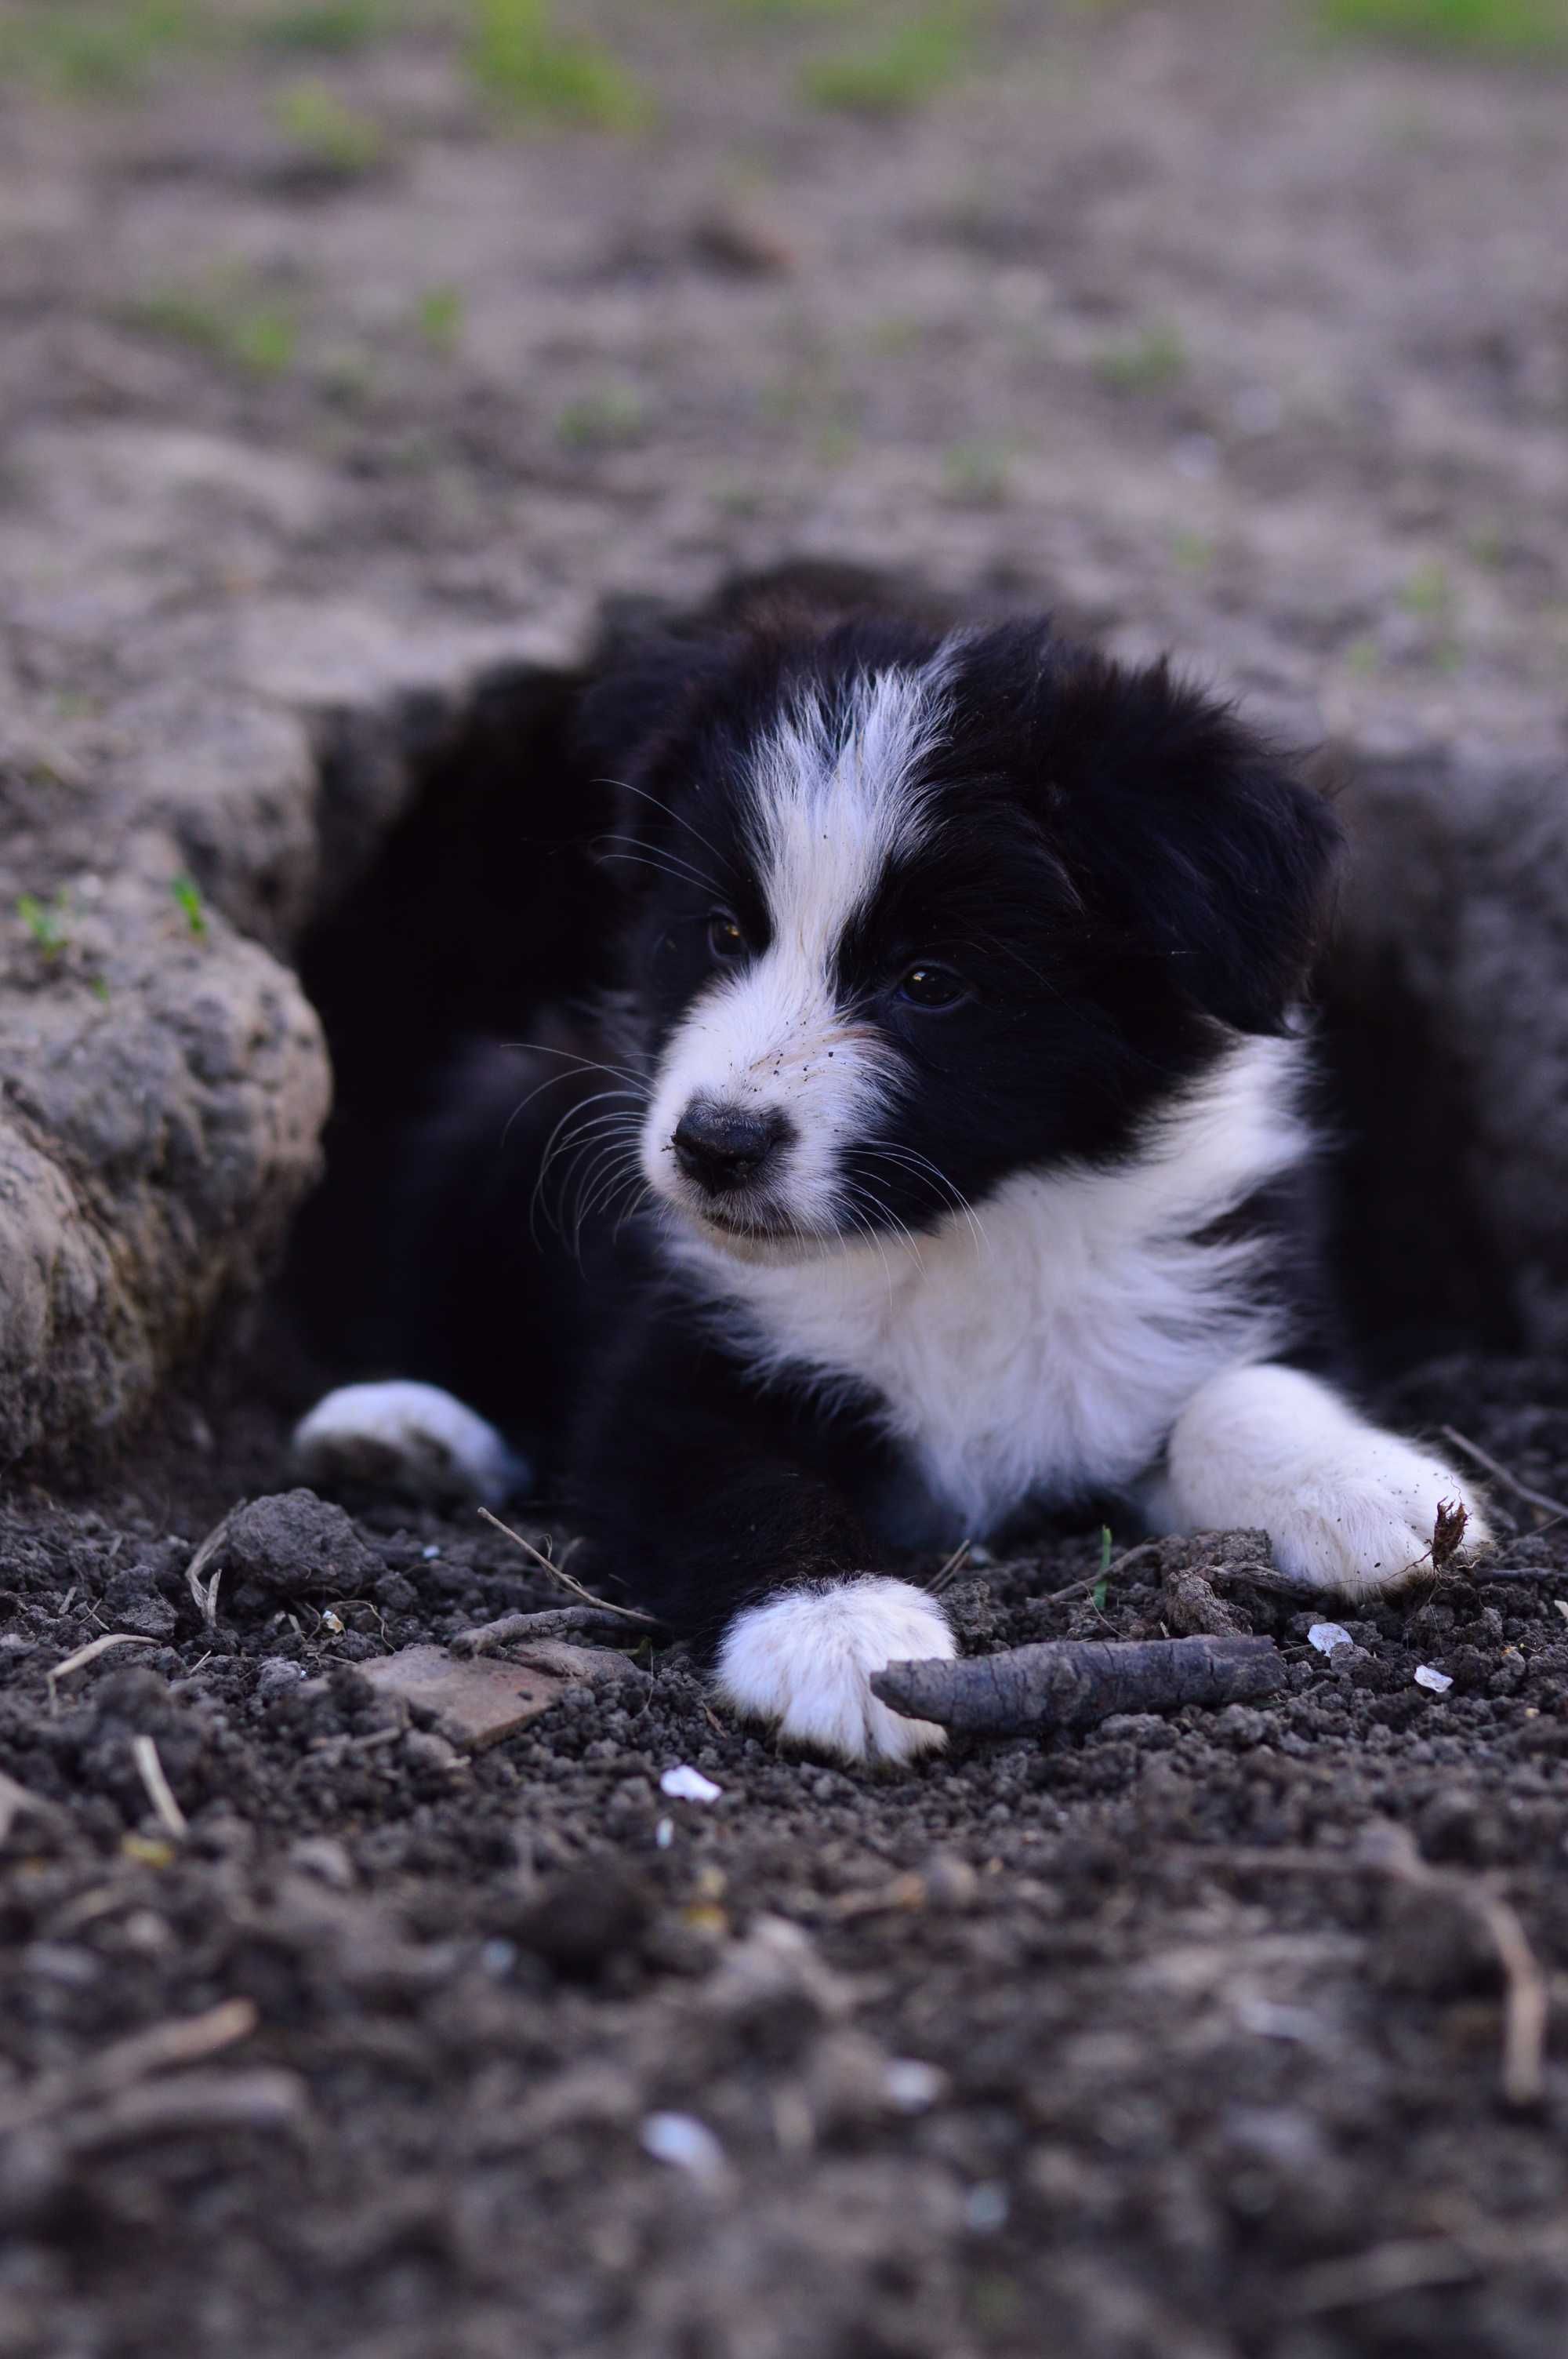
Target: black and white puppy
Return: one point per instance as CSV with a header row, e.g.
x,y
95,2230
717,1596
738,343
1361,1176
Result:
x,y
938,1159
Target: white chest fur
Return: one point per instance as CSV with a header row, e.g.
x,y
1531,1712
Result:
x,y
1052,1351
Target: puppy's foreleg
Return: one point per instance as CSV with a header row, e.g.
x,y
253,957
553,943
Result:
x,y
698,1509
1348,1508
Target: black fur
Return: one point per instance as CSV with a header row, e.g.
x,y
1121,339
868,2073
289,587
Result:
x,y
1125,878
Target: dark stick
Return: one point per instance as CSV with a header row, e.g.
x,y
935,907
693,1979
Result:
x,y
1071,1683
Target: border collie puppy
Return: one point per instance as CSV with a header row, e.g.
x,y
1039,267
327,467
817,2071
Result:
x,y
943,1156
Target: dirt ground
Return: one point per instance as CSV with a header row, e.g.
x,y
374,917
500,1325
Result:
x,y
1178,2041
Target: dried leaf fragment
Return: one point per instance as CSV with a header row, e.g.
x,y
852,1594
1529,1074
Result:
x,y
1448,1533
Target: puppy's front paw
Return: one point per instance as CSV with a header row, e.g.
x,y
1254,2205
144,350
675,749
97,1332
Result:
x,y
1366,1521
410,1438
804,1660
1348,1508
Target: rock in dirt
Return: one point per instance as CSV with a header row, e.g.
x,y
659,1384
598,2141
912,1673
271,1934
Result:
x,y
475,1703
292,1542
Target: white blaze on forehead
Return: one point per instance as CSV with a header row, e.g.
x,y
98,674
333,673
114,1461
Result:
x,y
835,799
832,796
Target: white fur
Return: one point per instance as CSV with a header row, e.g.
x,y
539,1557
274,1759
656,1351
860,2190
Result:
x,y
804,1660
826,812
1051,1348
406,1437
1348,1508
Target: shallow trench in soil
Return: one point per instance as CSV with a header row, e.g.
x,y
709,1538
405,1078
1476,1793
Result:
x,y
486,904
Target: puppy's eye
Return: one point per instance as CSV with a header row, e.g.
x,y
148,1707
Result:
x,y
932,987
725,938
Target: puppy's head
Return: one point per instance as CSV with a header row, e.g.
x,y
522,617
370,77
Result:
x,y
913,913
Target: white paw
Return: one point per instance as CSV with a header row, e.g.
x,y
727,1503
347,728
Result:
x,y
1348,1508
804,1660
1365,1522
409,1438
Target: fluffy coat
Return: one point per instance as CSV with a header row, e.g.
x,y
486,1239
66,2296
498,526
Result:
x,y
942,1154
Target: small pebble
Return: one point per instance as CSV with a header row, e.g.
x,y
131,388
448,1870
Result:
x,y
1272,2021
685,1784
1326,1635
913,2086
430,1553
1438,1682
665,1834
683,2141
986,2208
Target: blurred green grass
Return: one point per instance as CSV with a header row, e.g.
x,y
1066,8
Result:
x,y
1496,28
328,28
910,63
93,49
334,137
520,60
227,315
556,61
1151,360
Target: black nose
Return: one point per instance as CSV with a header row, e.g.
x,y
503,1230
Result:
x,y
719,1146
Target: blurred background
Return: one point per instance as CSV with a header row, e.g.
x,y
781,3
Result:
x,y
1240,328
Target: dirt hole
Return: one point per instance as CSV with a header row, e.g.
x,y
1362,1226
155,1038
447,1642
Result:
x,y
468,901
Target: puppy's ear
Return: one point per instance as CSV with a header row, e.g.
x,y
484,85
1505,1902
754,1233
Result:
x,y
636,703
1190,840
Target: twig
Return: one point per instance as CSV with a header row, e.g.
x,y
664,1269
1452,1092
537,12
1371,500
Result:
x,y
553,1622
265,2098
1526,1997
334,1749
90,1654
945,1575
1399,2268
1541,1499
1069,1683
584,1597
1409,2262
1092,1581
1527,2004
160,1794
126,2061
900,1895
